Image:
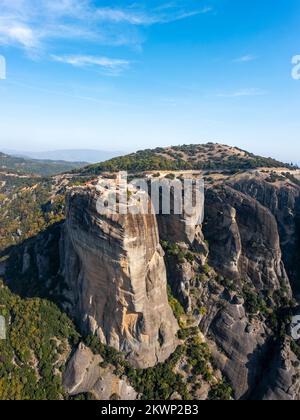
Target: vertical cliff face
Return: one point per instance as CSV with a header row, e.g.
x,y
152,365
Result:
x,y
244,239
233,275
251,226
185,227
115,271
282,198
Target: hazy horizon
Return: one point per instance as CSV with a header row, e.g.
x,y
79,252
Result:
x,y
116,153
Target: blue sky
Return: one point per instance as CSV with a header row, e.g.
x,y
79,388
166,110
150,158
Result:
x,y
119,75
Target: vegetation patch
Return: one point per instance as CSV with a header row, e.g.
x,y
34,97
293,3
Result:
x,y
39,340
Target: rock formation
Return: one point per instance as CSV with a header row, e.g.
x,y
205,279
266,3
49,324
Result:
x,y
251,226
84,374
115,271
282,198
116,275
236,274
244,239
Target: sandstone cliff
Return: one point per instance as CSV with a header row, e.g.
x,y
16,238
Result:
x,y
115,271
84,374
251,227
244,239
233,280
237,277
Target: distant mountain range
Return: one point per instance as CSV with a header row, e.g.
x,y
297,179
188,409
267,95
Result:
x,y
72,155
40,167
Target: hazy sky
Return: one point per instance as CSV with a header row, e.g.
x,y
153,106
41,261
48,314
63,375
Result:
x,y
120,75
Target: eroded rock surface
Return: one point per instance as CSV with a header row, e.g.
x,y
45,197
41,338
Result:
x,y
116,274
240,347
85,375
244,239
251,226
249,240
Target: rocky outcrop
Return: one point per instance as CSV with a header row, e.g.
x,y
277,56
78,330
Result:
x,y
115,271
282,198
84,374
279,381
180,278
251,229
239,347
244,239
250,226
183,228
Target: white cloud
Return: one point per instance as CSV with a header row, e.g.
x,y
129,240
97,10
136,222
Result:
x,y
143,18
23,35
18,34
29,23
245,59
38,19
75,8
85,60
119,16
34,25
111,65
244,93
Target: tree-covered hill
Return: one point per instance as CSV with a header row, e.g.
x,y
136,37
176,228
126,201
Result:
x,y
208,156
36,167
38,342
